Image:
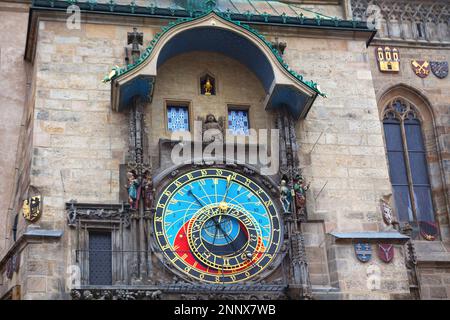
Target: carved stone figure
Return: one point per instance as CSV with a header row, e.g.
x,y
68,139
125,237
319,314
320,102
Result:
x,y
212,129
132,187
147,190
285,196
300,188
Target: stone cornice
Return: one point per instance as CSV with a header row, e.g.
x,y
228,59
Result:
x,y
30,234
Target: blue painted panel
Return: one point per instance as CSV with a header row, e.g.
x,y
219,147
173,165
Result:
x,y
139,86
289,97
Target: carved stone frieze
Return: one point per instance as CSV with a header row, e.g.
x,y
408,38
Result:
x,y
400,18
88,211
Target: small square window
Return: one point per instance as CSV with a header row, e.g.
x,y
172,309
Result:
x,y
238,122
177,118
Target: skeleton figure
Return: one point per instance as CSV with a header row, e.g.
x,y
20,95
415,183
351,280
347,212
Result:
x,y
212,130
132,187
285,197
300,188
147,191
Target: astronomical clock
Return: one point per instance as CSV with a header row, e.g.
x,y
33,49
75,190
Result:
x,y
215,225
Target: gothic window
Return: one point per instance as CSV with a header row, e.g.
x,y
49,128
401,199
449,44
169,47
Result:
x,y
177,117
100,258
238,121
408,167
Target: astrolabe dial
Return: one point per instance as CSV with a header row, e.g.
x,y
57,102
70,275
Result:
x,y
224,239
217,226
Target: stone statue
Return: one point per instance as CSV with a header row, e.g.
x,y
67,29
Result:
x,y
300,188
285,196
212,129
132,187
147,190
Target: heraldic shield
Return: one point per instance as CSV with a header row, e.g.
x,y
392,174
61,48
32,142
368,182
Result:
x,y
363,251
439,68
386,252
32,208
421,68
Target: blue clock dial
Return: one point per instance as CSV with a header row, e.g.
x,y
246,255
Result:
x,y
217,226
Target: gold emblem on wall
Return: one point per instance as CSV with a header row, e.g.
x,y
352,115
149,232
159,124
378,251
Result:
x,y
32,208
388,59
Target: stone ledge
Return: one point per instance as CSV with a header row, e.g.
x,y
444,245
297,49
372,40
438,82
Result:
x,y
370,236
31,233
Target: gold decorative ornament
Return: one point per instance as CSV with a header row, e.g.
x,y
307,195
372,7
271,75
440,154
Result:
x,y
208,87
388,59
32,208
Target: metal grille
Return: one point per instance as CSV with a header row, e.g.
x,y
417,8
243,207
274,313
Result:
x,y
100,258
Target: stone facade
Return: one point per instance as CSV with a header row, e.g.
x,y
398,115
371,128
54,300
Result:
x,y
71,144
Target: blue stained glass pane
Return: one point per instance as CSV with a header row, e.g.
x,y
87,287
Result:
x,y
418,164
177,118
397,168
238,122
424,205
403,203
414,137
393,135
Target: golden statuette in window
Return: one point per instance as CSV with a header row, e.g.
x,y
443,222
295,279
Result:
x,y
208,87
32,208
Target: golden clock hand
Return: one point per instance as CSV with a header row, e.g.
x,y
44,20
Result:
x,y
223,205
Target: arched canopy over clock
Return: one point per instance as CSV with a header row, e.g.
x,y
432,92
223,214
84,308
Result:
x,y
214,33
217,226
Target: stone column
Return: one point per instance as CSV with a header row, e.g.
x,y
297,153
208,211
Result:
x,y
300,286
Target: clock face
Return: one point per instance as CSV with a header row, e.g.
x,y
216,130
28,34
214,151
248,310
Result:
x,y
217,226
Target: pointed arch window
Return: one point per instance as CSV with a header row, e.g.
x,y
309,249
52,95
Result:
x,y
408,167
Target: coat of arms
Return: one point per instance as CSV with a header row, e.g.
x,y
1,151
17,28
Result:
x,y
386,252
363,251
428,230
32,208
388,59
386,210
439,68
421,68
